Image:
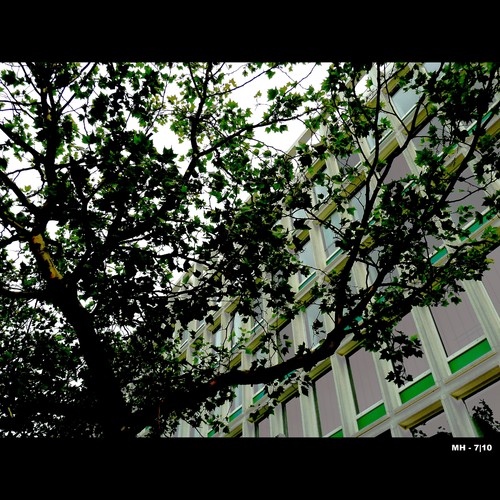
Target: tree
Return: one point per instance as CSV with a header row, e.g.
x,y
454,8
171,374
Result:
x,y
483,417
112,245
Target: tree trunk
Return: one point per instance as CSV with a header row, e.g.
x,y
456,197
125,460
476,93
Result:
x,y
111,411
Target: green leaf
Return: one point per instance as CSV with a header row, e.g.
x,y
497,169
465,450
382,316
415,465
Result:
x,y
272,94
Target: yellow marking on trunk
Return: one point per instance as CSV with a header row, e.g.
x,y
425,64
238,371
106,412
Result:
x,y
38,245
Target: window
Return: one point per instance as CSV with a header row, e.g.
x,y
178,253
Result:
x,y
372,267
358,201
466,192
285,336
491,279
292,419
433,244
432,66
314,317
258,314
404,100
484,408
238,399
458,325
263,359
184,336
399,169
217,336
325,395
194,432
235,326
306,256
236,329
263,428
436,426
414,366
300,218
330,236
319,189
365,386
348,162
385,132
421,140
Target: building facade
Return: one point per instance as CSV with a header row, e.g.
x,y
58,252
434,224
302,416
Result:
x,y
455,382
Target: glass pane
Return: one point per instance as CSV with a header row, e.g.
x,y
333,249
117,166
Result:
x,y
399,169
484,406
458,325
404,101
238,398
184,336
350,161
258,311
424,134
320,191
414,366
330,237
306,256
326,401
194,432
435,426
263,428
236,332
371,139
373,267
285,337
293,419
217,337
432,66
260,355
358,202
364,379
491,279
466,193
313,315
433,244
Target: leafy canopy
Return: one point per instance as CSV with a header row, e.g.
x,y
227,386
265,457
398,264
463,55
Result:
x,y
136,198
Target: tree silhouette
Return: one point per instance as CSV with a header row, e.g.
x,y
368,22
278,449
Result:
x,y
482,416
137,198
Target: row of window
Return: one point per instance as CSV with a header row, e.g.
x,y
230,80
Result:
x,y
481,409
448,334
452,330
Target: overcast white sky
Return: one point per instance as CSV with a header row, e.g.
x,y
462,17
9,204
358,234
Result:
x,y
245,96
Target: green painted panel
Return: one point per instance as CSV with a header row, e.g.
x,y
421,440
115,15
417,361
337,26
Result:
x,y
417,388
308,280
237,413
337,252
438,255
338,434
469,356
371,416
258,396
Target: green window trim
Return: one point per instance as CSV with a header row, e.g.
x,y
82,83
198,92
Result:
x,y
235,414
469,356
333,256
307,280
371,416
417,388
487,217
258,396
439,255
338,434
